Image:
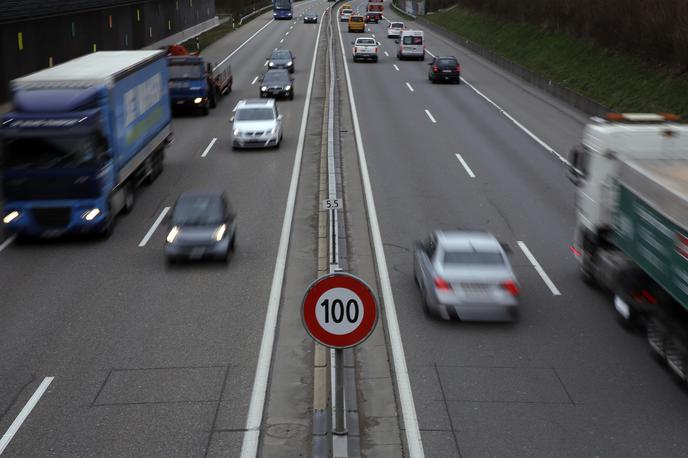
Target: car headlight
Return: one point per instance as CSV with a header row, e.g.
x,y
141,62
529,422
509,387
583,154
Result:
x,y
11,216
220,232
287,88
289,63
173,234
91,214
271,64
198,100
264,88
236,132
273,130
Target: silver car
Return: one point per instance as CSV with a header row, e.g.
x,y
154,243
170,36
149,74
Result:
x,y
465,275
257,124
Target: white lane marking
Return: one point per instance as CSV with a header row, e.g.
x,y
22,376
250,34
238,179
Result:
x,y
282,40
265,64
465,166
210,145
430,116
249,446
373,35
291,26
539,269
155,225
430,53
16,424
286,34
395,67
244,43
409,86
254,81
519,125
408,409
386,54
7,242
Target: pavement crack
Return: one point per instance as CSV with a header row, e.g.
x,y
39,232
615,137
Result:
x,y
446,408
16,396
217,411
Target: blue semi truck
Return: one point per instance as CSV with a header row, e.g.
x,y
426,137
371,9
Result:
x,y
282,9
81,137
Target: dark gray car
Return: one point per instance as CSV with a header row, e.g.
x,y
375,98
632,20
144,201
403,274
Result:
x,y
281,58
202,225
277,83
465,275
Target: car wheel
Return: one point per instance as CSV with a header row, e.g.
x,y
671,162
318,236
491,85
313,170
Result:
x,y
375,59
206,109
213,101
291,96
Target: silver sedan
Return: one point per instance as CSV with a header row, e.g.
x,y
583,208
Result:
x,y
465,275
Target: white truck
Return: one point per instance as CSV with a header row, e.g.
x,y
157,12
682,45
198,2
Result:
x,y
365,48
631,236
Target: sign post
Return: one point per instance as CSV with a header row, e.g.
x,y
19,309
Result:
x,y
339,311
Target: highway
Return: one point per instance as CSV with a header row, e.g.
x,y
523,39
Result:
x,y
566,379
114,353
149,360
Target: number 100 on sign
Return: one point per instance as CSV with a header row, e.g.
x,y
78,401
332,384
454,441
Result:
x,y
339,310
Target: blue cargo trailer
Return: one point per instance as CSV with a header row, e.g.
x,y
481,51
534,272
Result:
x,y
80,138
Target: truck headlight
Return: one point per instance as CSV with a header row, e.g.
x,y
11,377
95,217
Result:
x,y
90,215
11,216
173,234
220,232
198,100
287,88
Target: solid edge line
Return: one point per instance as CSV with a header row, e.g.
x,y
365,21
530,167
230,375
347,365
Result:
x,y
465,166
16,424
550,284
152,229
7,242
210,145
249,446
408,409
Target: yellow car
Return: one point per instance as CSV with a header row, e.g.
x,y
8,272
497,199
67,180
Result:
x,y
356,23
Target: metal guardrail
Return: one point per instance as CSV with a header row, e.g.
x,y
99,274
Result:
x,y
254,13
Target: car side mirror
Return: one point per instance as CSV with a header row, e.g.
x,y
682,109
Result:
x,y
231,120
418,245
505,246
353,42
396,41
279,117
430,63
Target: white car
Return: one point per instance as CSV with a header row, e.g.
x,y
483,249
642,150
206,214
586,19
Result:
x,y
394,29
365,48
344,15
256,124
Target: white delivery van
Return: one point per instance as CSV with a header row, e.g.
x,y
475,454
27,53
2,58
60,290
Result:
x,y
411,45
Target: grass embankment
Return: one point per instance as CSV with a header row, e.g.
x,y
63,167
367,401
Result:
x,y
209,37
619,81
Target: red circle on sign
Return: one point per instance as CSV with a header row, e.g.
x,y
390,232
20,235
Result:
x,y
310,303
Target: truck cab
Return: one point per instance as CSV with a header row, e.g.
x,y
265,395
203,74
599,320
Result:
x,y
189,88
282,9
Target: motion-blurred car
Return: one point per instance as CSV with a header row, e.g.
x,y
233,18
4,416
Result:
x,y
257,124
365,49
277,83
465,275
281,58
356,23
345,14
394,29
310,18
203,225
444,69
373,16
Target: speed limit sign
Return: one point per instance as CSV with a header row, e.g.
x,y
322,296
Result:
x,y
339,310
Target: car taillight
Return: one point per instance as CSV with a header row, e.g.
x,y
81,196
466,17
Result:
x,y
435,68
376,50
442,285
511,287
458,67
355,49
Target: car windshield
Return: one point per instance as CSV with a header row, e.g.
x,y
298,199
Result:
x,y
396,25
281,55
255,114
185,72
447,62
475,258
52,152
346,11
413,40
356,19
276,77
365,41
198,211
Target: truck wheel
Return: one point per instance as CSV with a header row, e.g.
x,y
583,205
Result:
x,y
213,102
206,109
626,315
586,271
128,199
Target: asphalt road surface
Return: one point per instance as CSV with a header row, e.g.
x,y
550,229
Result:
x,y
149,360
565,380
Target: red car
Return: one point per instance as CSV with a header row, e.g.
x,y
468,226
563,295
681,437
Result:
x,y
373,16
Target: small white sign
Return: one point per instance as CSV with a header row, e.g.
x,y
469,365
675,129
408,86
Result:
x,y
331,204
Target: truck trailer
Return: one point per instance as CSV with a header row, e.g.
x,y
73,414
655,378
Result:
x,y
631,236
80,138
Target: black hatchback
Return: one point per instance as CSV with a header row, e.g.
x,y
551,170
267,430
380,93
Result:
x,y
203,225
281,58
276,84
444,69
